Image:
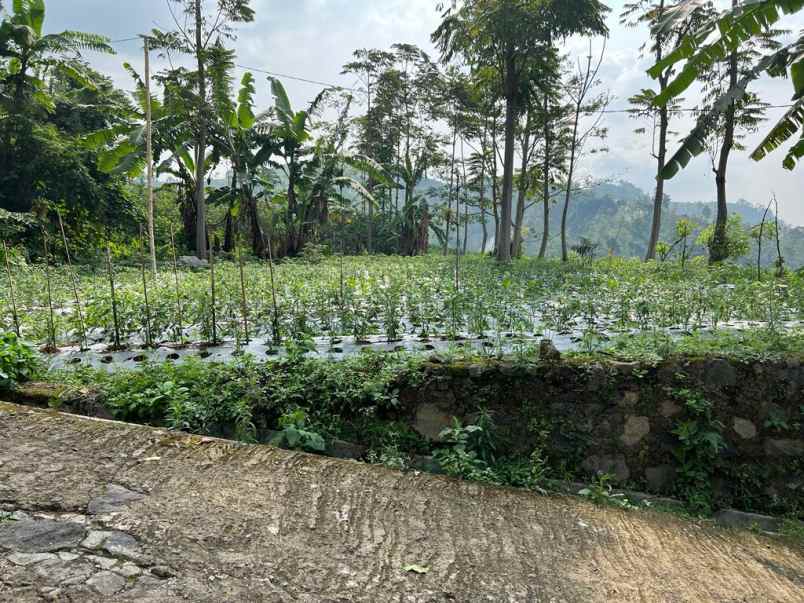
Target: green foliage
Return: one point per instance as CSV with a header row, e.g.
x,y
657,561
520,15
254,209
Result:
x,y
737,238
700,444
714,41
601,492
295,435
192,396
460,458
18,361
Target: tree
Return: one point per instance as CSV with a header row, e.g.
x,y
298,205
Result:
x,y
49,99
369,65
652,13
201,28
554,120
241,138
715,41
29,60
580,89
510,36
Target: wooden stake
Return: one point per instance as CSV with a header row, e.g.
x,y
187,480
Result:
x,y
14,315
180,314
148,336
149,158
110,271
74,279
277,338
51,322
243,301
212,291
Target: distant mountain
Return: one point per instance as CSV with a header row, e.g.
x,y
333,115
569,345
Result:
x,y
617,217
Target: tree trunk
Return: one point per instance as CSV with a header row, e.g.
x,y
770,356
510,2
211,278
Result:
x,y
504,240
658,200
523,191
546,176
718,250
201,144
465,227
229,232
495,190
445,250
257,236
149,159
483,192
568,196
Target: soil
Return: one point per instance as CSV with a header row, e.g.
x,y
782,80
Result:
x,y
103,511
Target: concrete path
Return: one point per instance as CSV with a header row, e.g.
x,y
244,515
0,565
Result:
x,y
101,511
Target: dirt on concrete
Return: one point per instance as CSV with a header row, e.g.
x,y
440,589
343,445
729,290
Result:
x,y
100,511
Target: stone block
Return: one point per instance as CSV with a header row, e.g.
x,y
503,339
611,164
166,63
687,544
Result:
x,y
636,428
744,428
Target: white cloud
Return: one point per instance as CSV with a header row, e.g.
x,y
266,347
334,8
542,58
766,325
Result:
x,y
313,38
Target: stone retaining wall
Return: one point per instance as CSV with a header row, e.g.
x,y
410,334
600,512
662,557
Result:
x,y
620,418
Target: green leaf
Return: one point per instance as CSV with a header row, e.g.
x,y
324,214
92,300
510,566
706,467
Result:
x,y
357,187
36,11
790,123
281,100
417,569
245,111
797,75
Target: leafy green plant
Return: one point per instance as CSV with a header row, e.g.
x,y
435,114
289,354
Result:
x,y
458,458
700,443
777,420
18,361
295,435
601,492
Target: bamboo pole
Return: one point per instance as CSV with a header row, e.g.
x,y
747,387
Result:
x,y
277,338
74,279
212,291
51,322
179,311
243,300
149,157
110,271
12,292
148,335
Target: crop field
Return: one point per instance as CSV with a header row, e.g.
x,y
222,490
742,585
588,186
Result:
x,y
340,304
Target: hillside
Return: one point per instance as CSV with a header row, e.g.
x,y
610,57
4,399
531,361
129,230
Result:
x,y
617,216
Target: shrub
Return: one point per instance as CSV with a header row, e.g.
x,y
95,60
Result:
x,y
19,362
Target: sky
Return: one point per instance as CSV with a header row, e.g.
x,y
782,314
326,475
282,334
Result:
x,y
312,39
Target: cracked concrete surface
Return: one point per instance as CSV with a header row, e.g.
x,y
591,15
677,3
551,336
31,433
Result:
x,y
101,511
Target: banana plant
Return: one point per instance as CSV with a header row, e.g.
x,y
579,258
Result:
x,y
316,171
244,140
713,42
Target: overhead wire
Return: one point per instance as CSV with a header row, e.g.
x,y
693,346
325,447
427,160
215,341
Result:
x,y
341,87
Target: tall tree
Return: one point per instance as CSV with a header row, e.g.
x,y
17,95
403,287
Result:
x,y
714,42
652,14
29,61
369,65
580,90
510,36
204,23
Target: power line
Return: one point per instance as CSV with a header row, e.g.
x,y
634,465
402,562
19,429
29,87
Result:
x,y
339,87
298,79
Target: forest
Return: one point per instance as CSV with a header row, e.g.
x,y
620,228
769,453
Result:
x,y
177,253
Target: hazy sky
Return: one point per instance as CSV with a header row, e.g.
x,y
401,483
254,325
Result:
x,y
312,39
